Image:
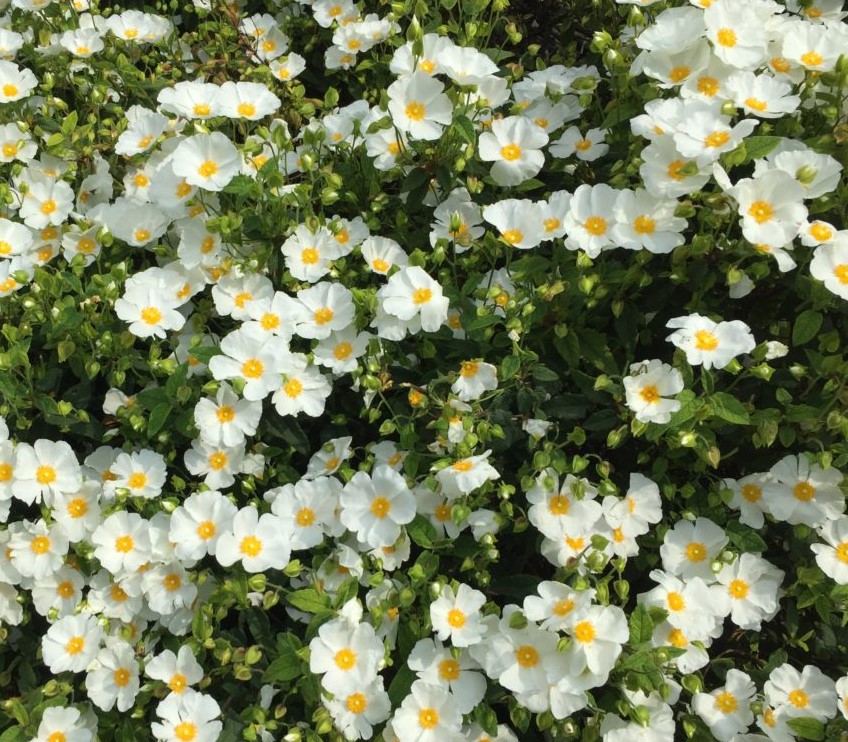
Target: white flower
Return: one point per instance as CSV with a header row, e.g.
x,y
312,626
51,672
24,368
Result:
x,y
457,616
713,344
419,106
475,378
648,389
515,146
830,265
209,161
411,294
113,679
726,711
376,506
260,543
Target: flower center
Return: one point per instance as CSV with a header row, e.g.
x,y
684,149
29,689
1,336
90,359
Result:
x,y
124,544
177,683
511,152
717,139
225,414
650,394
45,474
527,656
415,110
357,703
309,256
40,545
584,632
677,639
379,265
246,109
293,388
251,546
137,480
674,169
675,601
9,90
151,315
812,59
679,74
269,321
696,552
726,37
428,718
421,296
345,659
761,211
804,491
738,589
324,315
456,618
708,86
77,507
207,169
595,225
726,702
57,737
206,530
751,492
842,552
643,224
342,351
172,582
513,236
449,670
469,368
821,232
75,645
252,368
799,699
380,506
841,273
779,64
185,731
705,340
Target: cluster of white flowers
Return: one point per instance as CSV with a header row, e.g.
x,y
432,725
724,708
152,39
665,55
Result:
x,y
77,542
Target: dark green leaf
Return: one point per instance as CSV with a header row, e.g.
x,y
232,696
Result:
x,y
729,408
807,727
308,600
158,416
807,326
641,625
422,531
758,147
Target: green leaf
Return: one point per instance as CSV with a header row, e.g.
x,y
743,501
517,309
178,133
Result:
x,y
204,353
158,416
70,123
308,600
287,666
729,409
14,734
510,367
758,147
807,727
807,326
641,625
422,532
745,539
465,128
400,685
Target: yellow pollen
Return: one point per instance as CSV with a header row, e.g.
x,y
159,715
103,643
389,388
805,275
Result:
x,y
172,582
356,703
756,104
738,589
584,632
761,211
137,480
708,86
345,659
582,145
183,189
57,737
679,74
117,593
151,315
559,505
75,645
185,731
380,507
207,169
595,225
462,466
48,206
675,601
252,368
217,460
513,236
551,224
269,321
427,66
10,149
442,512
726,37
415,110
310,256
394,148
541,122
456,618
293,388
421,296
449,670
511,152
841,273
5,248
527,656
469,369
705,340
242,298
717,139
250,546
650,394
563,607
575,544
677,639
324,315
206,530
799,699
77,507
696,552
674,169
305,517
9,90
124,544
225,414
812,59
752,492
142,235
804,491
246,109
342,351
40,545
178,683
86,245
726,703
842,552
821,232
779,64
644,225
768,718
45,475
428,718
